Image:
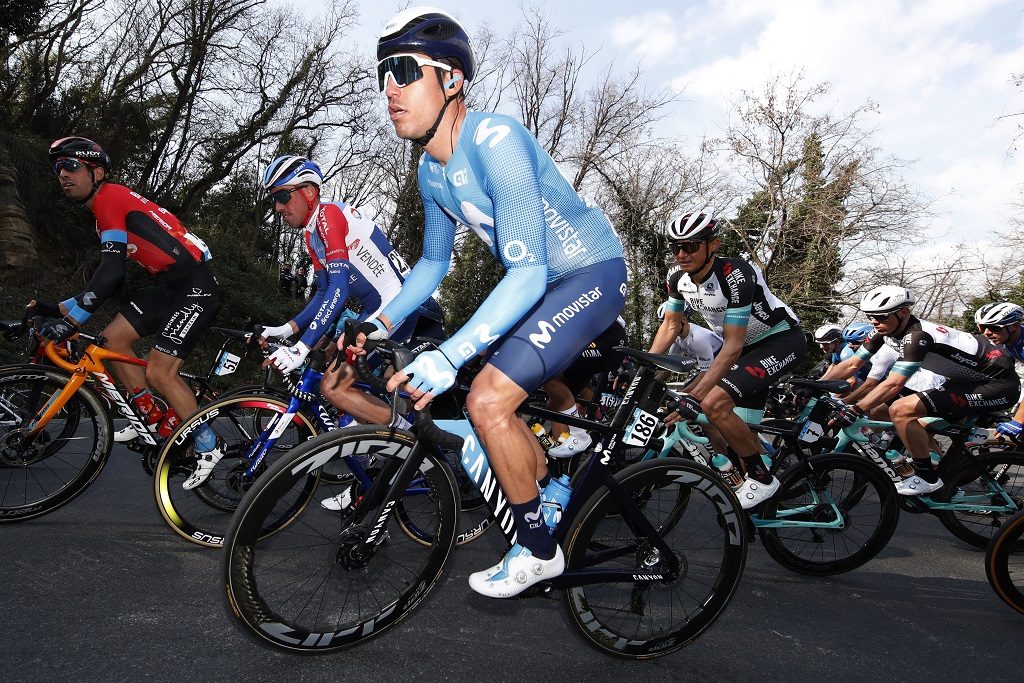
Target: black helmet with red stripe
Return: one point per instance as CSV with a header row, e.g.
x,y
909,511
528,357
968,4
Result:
x,y
83,149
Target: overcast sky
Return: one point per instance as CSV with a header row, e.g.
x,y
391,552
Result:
x,y
941,72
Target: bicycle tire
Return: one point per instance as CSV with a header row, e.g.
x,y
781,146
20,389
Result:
x,y
698,515
294,590
1004,562
202,515
977,529
65,458
475,517
865,496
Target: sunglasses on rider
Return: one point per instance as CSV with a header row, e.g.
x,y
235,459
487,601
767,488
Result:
x,y
992,328
687,247
879,317
404,69
283,196
70,165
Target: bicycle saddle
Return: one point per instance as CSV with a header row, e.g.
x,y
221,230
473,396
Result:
x,y
828,387
670,363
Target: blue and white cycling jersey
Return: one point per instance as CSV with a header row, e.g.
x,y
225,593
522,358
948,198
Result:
x,y
500,183
351,256
1017,349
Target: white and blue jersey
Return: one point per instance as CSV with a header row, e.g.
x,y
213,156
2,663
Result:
x,y
351,257
500,183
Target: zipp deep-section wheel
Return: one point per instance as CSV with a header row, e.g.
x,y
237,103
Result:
x,y
842,510
701,522
309,587
41,474
202,515
1004,562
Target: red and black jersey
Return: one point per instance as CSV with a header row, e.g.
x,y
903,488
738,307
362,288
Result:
x,y
132,227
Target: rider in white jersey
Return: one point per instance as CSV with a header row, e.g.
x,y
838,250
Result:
x,y
979,377
761,340
693,341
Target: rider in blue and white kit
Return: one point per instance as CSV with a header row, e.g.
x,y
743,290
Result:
x,y
565,275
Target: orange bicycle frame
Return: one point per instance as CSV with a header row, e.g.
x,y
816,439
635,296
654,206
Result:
x,y
90,363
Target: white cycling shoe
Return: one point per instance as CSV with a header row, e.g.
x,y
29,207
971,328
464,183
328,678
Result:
x,y
576,443
916,486
516,572
752,492
339,502
129,433
204,468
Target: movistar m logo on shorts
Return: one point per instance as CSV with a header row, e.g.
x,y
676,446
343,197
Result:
x,y
542,337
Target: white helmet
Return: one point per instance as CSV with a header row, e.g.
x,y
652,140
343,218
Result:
x,y
692,226
827,333
999,314
886,299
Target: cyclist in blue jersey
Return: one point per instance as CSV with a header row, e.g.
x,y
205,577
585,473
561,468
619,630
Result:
x,y
762,339
829,339
1001,324
565,277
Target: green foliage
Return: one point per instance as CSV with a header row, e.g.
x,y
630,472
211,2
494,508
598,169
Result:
x,y
20,17
1014,294
474,274
406,234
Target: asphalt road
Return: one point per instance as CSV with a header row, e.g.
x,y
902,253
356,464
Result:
x,y
102,590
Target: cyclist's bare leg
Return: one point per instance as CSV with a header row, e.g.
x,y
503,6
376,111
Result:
x,y
560,399
718,406
120,336
905,414
513,451
162,375
336,387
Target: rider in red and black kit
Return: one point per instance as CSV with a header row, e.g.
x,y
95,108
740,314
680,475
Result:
x,y
178,309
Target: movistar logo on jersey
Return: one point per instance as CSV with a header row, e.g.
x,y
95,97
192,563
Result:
x,y
567,235
543,336
485,131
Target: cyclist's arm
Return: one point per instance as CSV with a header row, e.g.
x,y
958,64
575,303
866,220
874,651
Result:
x,y
861,391
332,280
849,367
672,326
426,275
915,348
105,281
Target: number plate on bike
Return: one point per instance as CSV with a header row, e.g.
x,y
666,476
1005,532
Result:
x,y
641,429
226,363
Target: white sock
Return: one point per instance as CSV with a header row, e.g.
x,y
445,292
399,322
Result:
x,y
402,423
573,411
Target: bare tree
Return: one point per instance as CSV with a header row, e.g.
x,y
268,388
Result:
x,y
823,199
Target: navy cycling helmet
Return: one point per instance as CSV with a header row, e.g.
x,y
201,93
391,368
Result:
x,y
429,31
999,314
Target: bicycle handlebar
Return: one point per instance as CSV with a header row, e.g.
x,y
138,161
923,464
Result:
x,y
400,357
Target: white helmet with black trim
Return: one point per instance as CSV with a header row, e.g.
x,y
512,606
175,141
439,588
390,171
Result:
x,y
999,314
886,299
292,170
692,226
827,333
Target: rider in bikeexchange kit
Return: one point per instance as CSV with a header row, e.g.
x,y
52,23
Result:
x,y
565,275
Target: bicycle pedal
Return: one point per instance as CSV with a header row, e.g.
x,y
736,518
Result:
x,y
540,590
